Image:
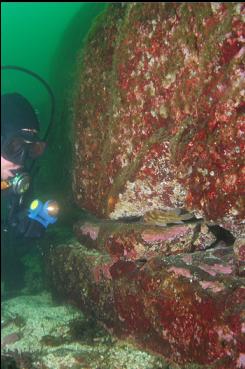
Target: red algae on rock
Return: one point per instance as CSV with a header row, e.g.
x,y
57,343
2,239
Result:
x,y
137,240
165,304
239,251
159,115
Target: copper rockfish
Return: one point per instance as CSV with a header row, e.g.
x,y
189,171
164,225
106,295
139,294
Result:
x,y
163,217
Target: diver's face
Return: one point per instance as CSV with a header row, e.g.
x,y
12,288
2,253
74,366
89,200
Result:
x,y
19,150
7,167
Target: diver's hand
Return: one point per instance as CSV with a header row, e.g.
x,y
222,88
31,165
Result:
x,y
29,228
6,168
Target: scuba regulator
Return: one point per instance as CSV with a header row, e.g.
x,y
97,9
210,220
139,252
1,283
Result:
x,y
19,184
18,150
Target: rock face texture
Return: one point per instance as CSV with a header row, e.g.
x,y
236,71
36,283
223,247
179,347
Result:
x,y
141,241
187,307
159,115
159,127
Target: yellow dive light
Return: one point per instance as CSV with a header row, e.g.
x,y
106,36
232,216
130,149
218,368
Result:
x,y
44,213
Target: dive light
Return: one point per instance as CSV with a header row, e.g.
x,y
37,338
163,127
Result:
x,y
20,183
45,213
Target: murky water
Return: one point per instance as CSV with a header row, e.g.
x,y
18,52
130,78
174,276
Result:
x,y
42,37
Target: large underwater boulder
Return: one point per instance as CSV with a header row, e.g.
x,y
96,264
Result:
x,y
159,126
159,112
187,307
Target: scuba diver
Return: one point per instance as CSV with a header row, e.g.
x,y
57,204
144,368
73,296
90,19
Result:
x,y
21,221
20,146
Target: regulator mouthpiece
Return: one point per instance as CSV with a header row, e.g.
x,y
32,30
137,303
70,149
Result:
x,y
19,184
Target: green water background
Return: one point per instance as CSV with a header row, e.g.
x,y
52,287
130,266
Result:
x,y
47,38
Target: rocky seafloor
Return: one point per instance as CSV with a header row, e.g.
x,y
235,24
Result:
x,y
39,334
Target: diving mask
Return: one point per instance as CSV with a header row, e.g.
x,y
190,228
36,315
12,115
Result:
x,y
18,149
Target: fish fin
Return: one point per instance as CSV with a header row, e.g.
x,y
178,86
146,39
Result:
x,y
160,224
187,216
176,222
176,211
